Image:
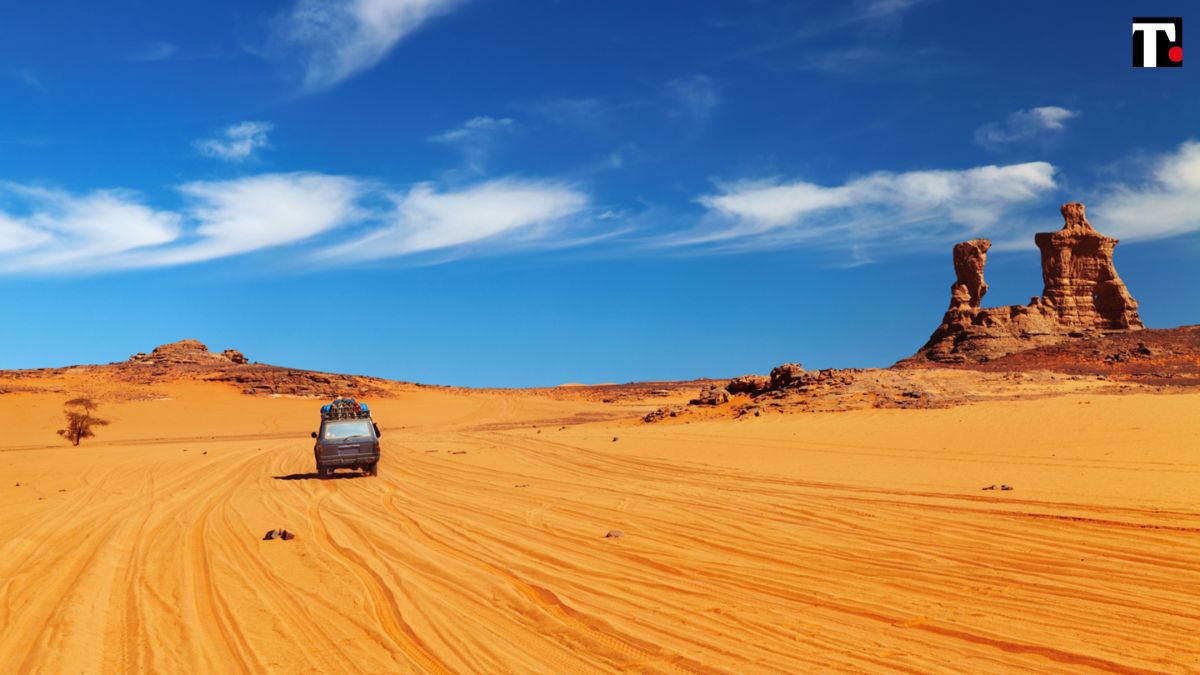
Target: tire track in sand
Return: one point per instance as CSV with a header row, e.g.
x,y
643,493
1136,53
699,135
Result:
x,y
383,600
212,607
638,652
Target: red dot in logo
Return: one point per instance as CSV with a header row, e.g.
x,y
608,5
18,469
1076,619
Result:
x,y
1175,54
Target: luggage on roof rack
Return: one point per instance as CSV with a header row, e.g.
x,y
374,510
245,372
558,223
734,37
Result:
x,y
345,409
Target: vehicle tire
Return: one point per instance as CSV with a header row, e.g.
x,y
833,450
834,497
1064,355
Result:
x,y
373,469
322,472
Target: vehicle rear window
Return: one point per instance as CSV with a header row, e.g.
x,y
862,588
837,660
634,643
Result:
x,y
347,429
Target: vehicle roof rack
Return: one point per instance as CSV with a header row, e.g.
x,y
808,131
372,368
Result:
x,y
345,409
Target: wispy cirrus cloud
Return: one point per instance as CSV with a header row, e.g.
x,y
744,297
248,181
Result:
x,y
237,142
243,215
319,218
323,220
872,17
335,39
55,230
500,213
1024,125
476,138
474,129
153,51
15,234
879,211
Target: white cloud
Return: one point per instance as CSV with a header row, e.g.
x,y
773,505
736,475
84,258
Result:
x,y
504,212
59,231
237,143
1167,204
1051,117
335,39
112,229
249,214
474,129
326,219
1024,125
153,51
320,217
879,210
16,234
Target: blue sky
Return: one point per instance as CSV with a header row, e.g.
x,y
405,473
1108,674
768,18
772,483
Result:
x,y
528,193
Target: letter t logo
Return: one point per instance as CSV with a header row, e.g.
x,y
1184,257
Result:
x,y
1153,53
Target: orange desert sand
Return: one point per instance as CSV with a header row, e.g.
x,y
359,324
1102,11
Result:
x,y
857,540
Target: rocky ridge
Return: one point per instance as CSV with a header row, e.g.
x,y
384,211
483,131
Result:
x,y
192,358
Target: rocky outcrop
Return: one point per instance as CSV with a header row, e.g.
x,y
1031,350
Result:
x,y
711,395
187,352
789,386
664,412
265,381
235,357
787,375
748,384
1082,294
794,376
784,379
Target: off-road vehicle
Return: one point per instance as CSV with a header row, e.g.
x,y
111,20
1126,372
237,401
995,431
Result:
x,y
348,439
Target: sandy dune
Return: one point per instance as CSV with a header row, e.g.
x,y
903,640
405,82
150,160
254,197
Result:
x,y
853,541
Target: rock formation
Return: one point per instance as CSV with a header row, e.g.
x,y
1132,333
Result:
x,y
191,358
235,357
969,288
787,375
713,394
1082,293
188,352
748,384
1082,285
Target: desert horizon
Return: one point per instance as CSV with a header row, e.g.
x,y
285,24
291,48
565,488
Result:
x,y
687,336
934,518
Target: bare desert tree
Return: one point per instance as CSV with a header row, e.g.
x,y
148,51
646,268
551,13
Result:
x,y
80,420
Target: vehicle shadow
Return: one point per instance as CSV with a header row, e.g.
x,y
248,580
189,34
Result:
x,y
317,476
